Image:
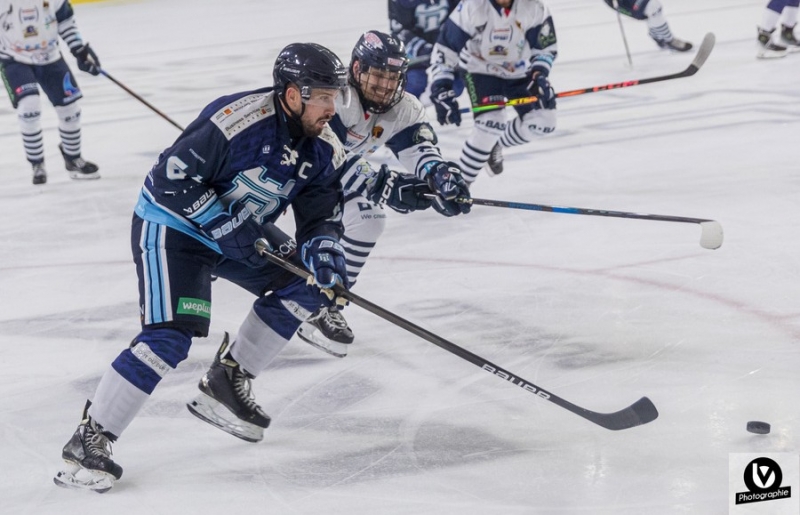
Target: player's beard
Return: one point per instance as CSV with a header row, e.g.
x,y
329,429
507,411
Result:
x,y
314,128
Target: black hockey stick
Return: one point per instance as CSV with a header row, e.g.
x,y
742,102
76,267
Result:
x,y
710,238
140,99
702,55
639,413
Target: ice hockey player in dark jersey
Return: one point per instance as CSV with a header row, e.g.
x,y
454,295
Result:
x,y
416,23
30,59
653,12
208,198
384,115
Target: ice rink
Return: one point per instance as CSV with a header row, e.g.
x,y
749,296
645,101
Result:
x,y
599,311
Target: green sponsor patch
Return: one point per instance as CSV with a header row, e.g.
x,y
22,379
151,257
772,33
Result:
x,y
197,307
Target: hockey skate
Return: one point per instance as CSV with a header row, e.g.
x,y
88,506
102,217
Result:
x,y
676,44
226,399
88,458
788,38
78,167
496,159
39,173
327,330
766,48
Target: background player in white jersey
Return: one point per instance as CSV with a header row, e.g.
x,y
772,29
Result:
x,y
384,116
769,47
208,198
653,12
416,23
507,48
29,59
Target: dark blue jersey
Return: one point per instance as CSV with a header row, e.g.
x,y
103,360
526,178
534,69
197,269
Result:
x,y
239,149
418,18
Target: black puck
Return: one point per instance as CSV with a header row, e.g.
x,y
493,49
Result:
x,y
759,428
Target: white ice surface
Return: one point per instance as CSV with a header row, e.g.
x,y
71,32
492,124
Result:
x,y
600,311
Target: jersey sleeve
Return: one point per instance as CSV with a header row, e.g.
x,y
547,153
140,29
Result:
x,y
67,28
543,42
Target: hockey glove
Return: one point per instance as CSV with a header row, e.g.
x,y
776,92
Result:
x,y
444,100
401,192
324,258
280,243
445,180
87,60
236,232
540,87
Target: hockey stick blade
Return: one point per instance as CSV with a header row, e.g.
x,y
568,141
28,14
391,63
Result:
x,y
640,412
711,236
699,59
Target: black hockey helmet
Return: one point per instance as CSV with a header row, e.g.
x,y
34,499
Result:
x,y
382,67
308,66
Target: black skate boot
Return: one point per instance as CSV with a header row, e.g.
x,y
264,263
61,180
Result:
x,y
766,48
496,159
676,44
327,330
88,456
39,173
79,168
789,39
226,399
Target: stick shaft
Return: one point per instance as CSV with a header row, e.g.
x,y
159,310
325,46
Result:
x,y
140,99
639,413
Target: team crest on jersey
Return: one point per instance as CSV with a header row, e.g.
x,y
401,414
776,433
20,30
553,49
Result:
x,y
30,32
423,134
498,50
547,36
377,132
290,156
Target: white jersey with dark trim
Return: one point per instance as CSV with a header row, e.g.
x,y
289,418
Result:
x,y
404,130
29,30
485,39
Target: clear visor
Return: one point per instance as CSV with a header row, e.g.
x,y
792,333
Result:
x,y
328,98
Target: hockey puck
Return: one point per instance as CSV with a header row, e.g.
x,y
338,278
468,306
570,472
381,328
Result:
x,y
759,428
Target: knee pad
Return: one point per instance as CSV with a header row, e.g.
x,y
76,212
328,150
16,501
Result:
x,y
29,112
69,116
151,355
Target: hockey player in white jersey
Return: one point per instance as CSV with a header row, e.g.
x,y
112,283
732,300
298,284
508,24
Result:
x,y
30,59
385,116
652,12
507,48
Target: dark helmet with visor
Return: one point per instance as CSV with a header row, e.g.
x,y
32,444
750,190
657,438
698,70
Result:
x,y
308,66
380,74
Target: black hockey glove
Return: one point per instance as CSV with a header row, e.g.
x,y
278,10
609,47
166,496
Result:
x,y
445,180
324,258
444,100
236,232
402,192
87,60
540,87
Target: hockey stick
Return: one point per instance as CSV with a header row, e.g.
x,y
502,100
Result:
x,y
639,413
140,99
622,31
702,55
710,237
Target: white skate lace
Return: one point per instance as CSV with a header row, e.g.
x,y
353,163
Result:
x,y
98,445
335,318
244,391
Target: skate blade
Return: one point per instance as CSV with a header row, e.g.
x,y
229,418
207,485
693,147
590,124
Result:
x,y
313,338
84,176
79,478
212,412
